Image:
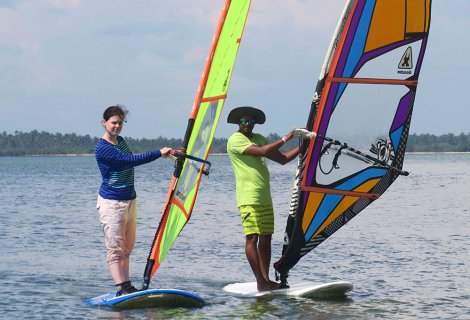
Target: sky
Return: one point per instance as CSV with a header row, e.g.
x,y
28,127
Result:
x,y
62,62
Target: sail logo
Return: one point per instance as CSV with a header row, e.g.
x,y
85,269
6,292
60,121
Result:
x,y
383,149
406,62
227,79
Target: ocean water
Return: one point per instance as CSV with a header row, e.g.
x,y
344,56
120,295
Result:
x,y
407,254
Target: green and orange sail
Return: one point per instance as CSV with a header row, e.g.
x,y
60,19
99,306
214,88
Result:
x,y
202,123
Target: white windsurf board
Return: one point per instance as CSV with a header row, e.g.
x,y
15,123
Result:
x,y
306,289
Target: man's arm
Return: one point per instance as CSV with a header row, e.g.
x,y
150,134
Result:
x,y
271,150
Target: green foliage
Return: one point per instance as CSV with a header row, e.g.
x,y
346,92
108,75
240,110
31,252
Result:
x,y
44,143
444,143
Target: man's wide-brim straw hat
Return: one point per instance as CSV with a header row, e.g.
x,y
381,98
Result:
x,y
235,115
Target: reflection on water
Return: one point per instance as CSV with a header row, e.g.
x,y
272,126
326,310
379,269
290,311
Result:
x,y
407,254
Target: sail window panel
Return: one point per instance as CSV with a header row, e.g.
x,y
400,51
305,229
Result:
x,y
204,125
187,183
363,115
198,147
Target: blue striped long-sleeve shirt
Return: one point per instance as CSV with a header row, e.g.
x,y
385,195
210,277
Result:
x,y
116,163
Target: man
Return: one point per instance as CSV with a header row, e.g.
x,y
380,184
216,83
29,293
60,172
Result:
x,y
247,151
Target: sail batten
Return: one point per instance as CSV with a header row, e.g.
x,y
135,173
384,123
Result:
x,y
215,98
363,103
374,81
202,123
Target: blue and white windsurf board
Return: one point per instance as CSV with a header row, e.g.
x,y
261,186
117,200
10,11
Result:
x,y
150,298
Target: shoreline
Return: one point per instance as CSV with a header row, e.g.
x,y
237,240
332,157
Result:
x,y
435,152
215,154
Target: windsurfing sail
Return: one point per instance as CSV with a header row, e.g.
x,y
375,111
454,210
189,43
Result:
x,y
361,114
200,131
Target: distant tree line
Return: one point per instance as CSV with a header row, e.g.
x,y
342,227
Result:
x,y
44,143
443,143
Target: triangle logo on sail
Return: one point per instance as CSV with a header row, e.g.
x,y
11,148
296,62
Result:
x,y
406,61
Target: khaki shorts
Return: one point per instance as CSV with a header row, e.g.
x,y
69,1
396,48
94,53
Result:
x,y
257,219
118,220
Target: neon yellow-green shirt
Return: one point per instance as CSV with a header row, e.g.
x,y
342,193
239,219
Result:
x,y
251,173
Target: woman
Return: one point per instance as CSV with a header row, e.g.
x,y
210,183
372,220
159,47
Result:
x,y
117,197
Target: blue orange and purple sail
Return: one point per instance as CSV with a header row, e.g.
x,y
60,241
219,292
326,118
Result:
x,y
361,113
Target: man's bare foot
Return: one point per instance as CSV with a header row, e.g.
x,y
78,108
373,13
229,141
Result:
x,y
268,286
